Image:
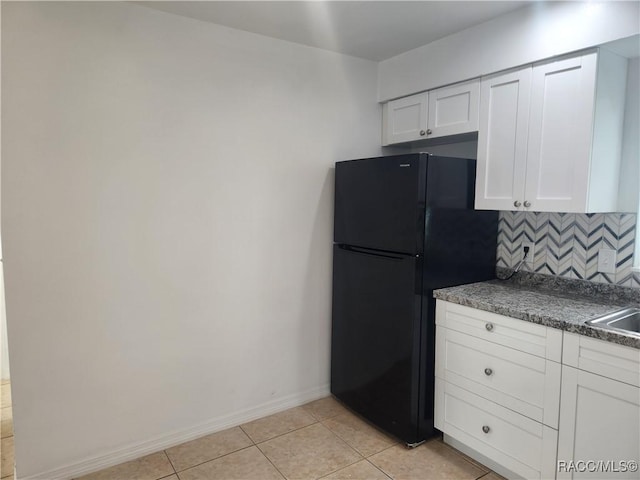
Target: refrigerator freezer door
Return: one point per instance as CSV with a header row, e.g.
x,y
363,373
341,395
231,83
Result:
x,y
375,337
379,203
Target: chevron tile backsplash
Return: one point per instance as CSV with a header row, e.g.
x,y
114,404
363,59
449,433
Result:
x,y
567,244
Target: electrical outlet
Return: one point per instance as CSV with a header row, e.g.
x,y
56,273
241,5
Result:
x,y
531,254
607,260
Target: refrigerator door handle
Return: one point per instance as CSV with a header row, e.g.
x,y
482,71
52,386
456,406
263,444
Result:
x,y
372,253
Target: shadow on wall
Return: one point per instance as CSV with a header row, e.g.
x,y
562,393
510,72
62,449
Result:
x,y
315,313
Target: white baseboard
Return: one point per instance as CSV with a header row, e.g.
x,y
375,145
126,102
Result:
x,y
140,449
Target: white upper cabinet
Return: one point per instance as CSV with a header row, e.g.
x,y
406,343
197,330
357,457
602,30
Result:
x,y
454,109
405,119
445,111
502,140
550,136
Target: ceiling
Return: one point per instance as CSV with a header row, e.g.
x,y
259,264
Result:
x,y
375,30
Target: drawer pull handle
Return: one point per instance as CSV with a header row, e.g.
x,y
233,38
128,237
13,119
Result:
x,y
488,371
485,428
488,326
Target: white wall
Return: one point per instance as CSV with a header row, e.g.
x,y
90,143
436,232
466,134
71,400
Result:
x,y
461,149
630,163
540,31
167,224
4,346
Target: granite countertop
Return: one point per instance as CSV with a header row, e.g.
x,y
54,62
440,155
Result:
x,y
552,301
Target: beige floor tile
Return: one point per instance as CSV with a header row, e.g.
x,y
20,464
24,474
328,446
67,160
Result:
x,y
284,422
6,422
492,476
325,408
208,448
361,436
247,464
151,467
432,460
362,470
6,465
5,395
310,452
5,380
468,458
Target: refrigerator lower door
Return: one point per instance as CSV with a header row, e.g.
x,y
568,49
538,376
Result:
x,y
377,299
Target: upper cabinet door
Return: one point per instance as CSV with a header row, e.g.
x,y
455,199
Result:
x,y
567,153
405,119
446,111
502,140
454,109
560,134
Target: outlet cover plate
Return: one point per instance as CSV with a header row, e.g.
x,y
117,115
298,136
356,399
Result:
x,y
531,254
607,260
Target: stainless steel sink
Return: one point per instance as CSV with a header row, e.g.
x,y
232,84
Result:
x,y
626,321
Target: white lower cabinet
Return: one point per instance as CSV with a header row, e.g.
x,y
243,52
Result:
x,y
532,402
498,388
519,444
600,410
599,427
607,359
522,382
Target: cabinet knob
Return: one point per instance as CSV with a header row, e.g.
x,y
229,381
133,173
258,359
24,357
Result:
x,y
486,429
429,132
527,203
422,133
488,326
517,204
488,372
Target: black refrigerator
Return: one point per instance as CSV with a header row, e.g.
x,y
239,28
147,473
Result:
x,y
404,225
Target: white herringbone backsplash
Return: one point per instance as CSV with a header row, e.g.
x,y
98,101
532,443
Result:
x,y
567,244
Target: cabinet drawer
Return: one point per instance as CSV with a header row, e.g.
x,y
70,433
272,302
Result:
x,y
517,334
520,381
611,360
520,444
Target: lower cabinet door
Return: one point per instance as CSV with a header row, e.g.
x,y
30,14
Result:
x,y
599,427
520,444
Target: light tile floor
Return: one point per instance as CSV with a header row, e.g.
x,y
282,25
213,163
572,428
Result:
x,y
6,420
320,440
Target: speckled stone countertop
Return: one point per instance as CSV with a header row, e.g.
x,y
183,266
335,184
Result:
x,y
552,301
